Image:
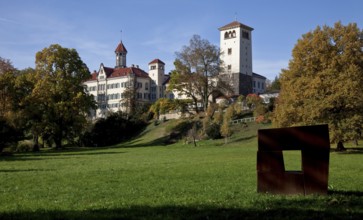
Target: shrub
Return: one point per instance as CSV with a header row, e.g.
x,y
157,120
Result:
x,y
213,131
24,146
112,130
9,135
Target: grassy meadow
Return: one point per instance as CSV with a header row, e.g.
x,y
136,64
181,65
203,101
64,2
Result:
x,y
145,179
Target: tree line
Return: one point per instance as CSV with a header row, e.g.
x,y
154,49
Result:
x,y
50,103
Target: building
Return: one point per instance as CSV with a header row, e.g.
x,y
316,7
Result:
x,y
113,87
258,83
236,57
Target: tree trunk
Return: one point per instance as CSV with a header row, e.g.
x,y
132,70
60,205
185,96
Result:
x,y
58,141
36,143
340,146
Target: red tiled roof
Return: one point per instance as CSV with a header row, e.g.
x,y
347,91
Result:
x,y
157,61
121,48
128,70
235,24
118,72
93,76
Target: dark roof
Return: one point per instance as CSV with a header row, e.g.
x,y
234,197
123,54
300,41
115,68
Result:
x,y
121,48
108,70
93,76
235,24
157,61
258,76
166,81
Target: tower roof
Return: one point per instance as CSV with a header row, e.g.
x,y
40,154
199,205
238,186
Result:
x,y
235,24
157,61
121,48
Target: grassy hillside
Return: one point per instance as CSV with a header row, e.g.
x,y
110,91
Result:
x,y
145,179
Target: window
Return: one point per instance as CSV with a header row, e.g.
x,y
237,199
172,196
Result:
x,y
229,51
226,35
258,84
139,95
153,67
245,35
229,67
101,97
146,86
101,87
254,84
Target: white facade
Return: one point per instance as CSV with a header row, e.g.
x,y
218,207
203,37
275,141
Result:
x,y
236,57
236,48
157,75
108,85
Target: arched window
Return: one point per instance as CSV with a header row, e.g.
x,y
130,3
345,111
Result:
x,y
234,34
226,35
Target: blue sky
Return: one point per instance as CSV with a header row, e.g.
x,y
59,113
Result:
x,y
159,28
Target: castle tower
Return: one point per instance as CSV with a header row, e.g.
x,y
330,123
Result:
x,y
236,55
120,55
156,73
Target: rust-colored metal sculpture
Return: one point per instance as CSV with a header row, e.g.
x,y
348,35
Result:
x,y
313,141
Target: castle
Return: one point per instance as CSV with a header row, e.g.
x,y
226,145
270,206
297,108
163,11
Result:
x,y
109,85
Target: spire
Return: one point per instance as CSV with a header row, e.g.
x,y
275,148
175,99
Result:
x,y
120,55
120,48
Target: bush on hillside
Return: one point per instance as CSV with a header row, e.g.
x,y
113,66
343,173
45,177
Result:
x,y
112,130
213,131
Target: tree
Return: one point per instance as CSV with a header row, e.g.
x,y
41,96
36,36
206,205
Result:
x,y
226,130
275,85
323,82
58,94
7,79
9,135
196,72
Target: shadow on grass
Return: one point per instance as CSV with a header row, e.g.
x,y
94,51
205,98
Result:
x,y
243,138
345,193
162,141
60,154
350,150
183,212
26,170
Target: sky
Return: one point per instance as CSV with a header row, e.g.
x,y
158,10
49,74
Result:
x,y
152,29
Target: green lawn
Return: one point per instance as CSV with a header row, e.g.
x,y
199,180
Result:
x,y
143,179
